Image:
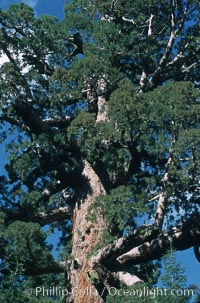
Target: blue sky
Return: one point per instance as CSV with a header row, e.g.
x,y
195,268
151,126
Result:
x,y
51,7
56,8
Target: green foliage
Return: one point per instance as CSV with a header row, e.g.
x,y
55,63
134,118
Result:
x,y
121,205
26,246
149,271
174,280
25,249
49,104
26,289
174,273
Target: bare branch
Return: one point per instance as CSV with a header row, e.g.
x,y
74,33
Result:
x,y
150,25
128,20
186,69
143,78
161,208
168,49
181,54
154,198
101,101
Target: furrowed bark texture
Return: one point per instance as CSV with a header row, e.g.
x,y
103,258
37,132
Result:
x,y
84,239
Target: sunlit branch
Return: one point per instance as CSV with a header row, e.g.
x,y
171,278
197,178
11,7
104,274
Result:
x,y
183,237
140,235
150,25
161,208
144,75
163,198
128,20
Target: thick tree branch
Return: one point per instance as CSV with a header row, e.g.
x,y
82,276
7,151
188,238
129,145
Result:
x,y
31,118
183,237
140,235
51,268
59,214
43,218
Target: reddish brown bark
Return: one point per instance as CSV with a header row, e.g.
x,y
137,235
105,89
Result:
x,y
84,239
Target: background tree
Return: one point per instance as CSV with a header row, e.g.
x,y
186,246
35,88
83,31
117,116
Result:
x,y
101,112
174,279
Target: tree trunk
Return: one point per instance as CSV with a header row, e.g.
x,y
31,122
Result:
x,y
84,238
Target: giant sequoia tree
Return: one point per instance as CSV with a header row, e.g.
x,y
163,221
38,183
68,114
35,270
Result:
x,y
100,113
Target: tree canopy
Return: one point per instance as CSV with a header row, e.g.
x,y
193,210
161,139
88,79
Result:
x,y
100,116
